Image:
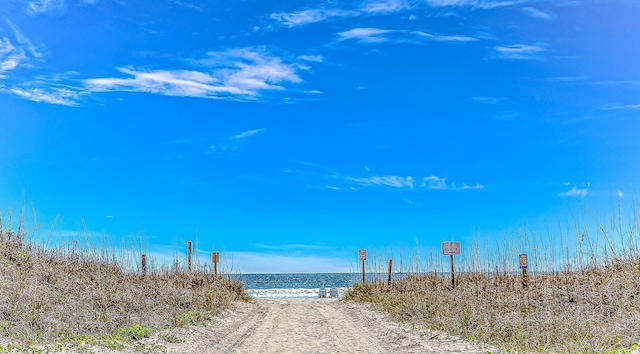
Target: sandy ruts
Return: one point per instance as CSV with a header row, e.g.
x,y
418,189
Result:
x,y
308,326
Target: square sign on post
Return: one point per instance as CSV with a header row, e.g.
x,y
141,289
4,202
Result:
x,y
450,248
524,264
362,254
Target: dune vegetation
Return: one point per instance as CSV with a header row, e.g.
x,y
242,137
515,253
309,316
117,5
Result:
x,y
581,293
82,296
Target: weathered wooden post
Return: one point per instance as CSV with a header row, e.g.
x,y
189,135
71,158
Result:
x,y
389,275
215,258
362,254
144,263
451,249
189,254
524,264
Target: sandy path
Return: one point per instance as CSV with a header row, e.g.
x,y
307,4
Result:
x,y
306,326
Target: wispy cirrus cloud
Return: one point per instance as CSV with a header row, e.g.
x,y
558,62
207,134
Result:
x,y
44,6
575,192
234,142
240,74
475,4
518,52
312,58
385,6
369,35
305,17
20,53
621,107
390,181
539,14
51,95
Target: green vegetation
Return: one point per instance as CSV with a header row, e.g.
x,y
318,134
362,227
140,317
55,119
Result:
x,y
80,297
583,294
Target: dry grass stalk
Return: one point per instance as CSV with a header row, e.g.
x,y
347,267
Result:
x,y
65,292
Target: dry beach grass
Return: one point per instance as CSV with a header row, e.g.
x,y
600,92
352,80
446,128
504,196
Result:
x,y
88,295
583,293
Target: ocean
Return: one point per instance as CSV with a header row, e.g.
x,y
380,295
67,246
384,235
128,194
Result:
x,y
298,285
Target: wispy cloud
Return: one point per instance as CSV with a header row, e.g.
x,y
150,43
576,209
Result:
x,y
475,4
622,107
440,183
234,142
518,52
249,133
368,35
488,100
44,6
312,58
241,74
291,246
390,181
304,17
14,55
52,95
365,35
539,14
575,192
384,6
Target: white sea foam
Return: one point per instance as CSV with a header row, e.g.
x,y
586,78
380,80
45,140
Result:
x,y
290,293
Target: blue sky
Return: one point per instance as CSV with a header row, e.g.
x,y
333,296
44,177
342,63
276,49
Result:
x,y
289,134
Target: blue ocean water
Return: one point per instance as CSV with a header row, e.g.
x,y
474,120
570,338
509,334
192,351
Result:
x,y
299,285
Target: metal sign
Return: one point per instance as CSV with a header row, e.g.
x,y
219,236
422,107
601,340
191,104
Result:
x,y
362,254
524,263
215,257
450,248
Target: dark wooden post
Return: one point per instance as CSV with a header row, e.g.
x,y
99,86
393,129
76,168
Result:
x,y
189,254
144,263
453,275
215,258
389,275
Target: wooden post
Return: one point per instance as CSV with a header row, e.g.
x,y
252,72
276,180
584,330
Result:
x,y
189,254
215,258
362,254
144,263
524,264
389,275
525,279
453,274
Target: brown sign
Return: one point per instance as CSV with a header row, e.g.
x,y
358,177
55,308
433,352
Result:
x,y
215,257
450,248
362,254
524,262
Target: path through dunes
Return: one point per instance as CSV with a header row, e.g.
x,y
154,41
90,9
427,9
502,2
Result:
x,y
307,326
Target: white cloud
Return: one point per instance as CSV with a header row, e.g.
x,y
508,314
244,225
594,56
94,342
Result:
x,y
378,35
444,38
249,133
620,194
59,96
434,182
575,192
539,14
13,55
391,181
293,19
313,58
44,6
234,141
365,35
238,74
384,6
518,52
475,4
623,107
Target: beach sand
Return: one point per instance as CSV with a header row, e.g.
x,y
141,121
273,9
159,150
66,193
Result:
x,y
307,326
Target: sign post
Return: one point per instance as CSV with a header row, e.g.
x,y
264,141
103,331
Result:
x,y
524,264
189,249
362,254
144,263
451,249
215,258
